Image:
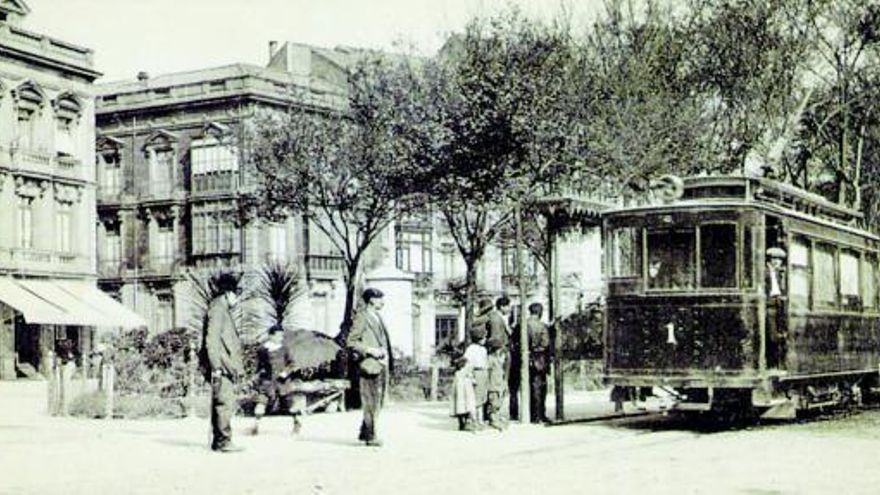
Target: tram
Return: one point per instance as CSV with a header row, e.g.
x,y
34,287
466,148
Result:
x,y
740,293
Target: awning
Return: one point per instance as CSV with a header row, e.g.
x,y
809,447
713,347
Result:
x,y
66,302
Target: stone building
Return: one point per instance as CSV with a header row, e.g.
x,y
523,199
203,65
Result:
x,y
47,199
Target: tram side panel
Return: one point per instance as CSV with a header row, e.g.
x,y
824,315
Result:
x,y
676,339
823,344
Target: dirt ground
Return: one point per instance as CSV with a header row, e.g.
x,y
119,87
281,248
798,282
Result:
x,y
424,454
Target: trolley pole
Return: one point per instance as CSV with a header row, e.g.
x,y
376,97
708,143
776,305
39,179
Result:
x,y
524,392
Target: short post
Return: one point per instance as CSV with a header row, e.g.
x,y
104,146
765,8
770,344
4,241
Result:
x,y
189,399
67,370
52,384
107,377
435,380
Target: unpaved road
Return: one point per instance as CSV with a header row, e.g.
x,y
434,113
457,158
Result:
x,y
425,455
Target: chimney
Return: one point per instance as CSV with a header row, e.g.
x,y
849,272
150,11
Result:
x,y
143,76
273,45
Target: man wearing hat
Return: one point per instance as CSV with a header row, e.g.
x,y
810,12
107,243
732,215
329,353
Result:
x,y
369,342
775,285
222,349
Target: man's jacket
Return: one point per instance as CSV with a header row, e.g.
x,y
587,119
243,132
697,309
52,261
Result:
x,y
222,344
369,335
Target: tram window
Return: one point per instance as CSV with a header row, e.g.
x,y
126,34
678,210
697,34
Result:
x,y
869,281
626,252
718,255
799,278
671,260
747,265
825,276
849,279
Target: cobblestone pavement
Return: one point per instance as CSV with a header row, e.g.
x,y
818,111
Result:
x,y
423,454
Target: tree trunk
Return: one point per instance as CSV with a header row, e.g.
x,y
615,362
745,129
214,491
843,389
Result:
x,y
470,284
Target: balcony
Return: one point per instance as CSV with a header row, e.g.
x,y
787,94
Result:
x,y
36,260
40,163
324,267
111,269
159,266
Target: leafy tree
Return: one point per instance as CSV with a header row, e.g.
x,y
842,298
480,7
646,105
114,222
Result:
x,y
829,154
492,133
343,168
699,89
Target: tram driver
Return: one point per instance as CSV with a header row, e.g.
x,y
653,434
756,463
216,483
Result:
x,y
776,289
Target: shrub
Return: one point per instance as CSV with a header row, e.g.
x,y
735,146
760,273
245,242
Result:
x,y
148,406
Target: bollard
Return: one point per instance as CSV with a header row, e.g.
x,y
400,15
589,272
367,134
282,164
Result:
x,y
107,378
435,381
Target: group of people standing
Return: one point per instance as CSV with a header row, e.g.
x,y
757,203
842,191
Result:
x,y
488,370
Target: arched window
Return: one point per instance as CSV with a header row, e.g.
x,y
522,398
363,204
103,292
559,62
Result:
x,y
68,111
29,100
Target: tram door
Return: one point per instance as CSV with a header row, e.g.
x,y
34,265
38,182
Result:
x,y
776,291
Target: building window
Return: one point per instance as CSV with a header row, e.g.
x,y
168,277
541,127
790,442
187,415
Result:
x,y
164,245
319,243
62,227
65,145
25,126
277,245
111,174
445,329
447,257
214,165
161,171
214,232
112,247
25,223
414,253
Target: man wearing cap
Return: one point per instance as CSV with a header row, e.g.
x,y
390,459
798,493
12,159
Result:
x,y
369,342
775,285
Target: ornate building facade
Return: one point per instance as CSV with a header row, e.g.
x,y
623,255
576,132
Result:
x,y
47,198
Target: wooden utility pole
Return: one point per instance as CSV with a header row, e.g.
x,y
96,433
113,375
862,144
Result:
x,y
524,392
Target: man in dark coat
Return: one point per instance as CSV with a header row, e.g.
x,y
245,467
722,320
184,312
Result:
x,y
224,355
369,341
497,341
539,346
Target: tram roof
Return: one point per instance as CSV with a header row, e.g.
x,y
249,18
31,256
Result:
x,y
759,191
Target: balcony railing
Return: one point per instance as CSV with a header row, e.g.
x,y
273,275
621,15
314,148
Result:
x,y
159,265
40,162
39,260
326,267
111,268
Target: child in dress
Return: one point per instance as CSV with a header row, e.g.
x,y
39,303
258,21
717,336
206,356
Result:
x,y
463,403
478,361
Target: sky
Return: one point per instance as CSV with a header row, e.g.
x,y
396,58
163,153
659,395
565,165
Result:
x,y
163,36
